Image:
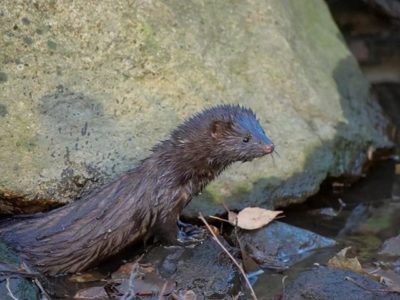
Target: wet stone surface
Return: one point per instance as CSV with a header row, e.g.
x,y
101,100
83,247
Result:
x,y
92,293
202,268
391,247
281,245
14,286
331,284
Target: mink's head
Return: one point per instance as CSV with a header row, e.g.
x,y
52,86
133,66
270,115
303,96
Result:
x,y
223,134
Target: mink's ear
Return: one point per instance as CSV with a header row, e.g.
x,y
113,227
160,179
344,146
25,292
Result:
x,y
219,127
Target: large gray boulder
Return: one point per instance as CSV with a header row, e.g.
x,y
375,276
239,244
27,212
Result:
x,y
87,87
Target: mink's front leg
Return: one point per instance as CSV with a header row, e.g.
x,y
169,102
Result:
x,y
176,232
167,232
190,233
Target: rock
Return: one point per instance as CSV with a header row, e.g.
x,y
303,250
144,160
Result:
x,y
396,266
280,245
378,220
87,88
331,284
389,8
391,247
358,216
92,293
203,269
387,94
14,286
371,28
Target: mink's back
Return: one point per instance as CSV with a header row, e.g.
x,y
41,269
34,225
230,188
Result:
x,y
87,230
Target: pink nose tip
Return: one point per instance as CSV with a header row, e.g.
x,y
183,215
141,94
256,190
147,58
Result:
x,y
269,148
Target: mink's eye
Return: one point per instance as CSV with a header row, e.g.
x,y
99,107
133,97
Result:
x,y
246,139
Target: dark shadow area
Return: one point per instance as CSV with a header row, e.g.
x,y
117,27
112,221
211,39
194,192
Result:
x,y
388,95
372,32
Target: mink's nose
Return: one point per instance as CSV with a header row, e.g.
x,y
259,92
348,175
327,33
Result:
x,y
268,148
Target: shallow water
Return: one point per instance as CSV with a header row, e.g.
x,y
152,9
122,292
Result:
x,y
368,213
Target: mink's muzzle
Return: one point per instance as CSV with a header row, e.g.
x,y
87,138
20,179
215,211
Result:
x,y
269,148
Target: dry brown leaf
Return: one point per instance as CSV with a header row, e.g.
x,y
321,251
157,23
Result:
x,y
86,277
147,268
252,218
341,261
126,268
387,277
215,230
145,293
91,293
186,295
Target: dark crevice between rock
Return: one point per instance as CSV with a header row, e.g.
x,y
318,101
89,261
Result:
x,y
11,204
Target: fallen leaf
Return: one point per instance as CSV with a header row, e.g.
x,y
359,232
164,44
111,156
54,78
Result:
x,y
215,230
186,295
255,217
92,293
148,268
387,277
126,268
145,293
341,261
86,277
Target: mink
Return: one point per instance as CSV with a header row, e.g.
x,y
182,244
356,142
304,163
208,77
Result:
x,y
145,201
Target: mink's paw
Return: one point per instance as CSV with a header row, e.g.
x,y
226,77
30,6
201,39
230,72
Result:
x,y
189,233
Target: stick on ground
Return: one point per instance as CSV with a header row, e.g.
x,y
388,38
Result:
x,y
230,256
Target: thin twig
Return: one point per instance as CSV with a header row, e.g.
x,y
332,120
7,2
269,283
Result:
x,y
235,228
283,284
225,206
10,293
230,255
36,281
273,159
130,293
164,287
369,289
219,219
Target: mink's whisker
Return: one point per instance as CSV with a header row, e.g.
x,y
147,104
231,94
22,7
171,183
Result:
x,y
273,159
